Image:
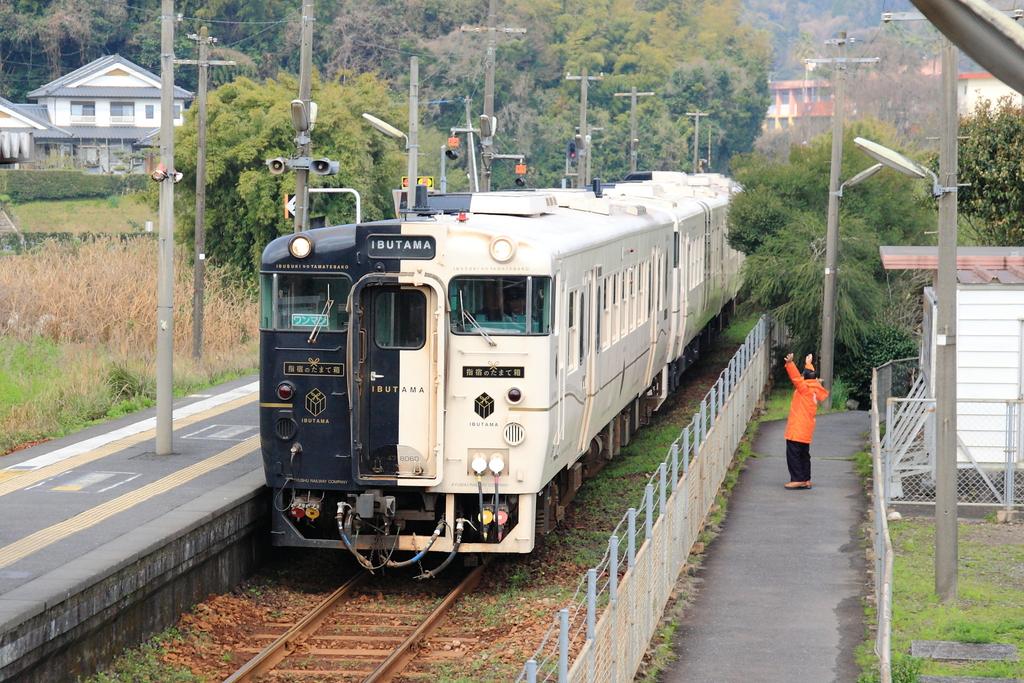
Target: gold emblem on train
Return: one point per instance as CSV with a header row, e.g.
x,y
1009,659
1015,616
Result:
x,y
316,402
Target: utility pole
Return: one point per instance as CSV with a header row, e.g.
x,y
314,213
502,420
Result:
x,y
302,137
828,321
634,141
474,177
492,29
945,349
414,130
696,137
165,264
199,260
583,137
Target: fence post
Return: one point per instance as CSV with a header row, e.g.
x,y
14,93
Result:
x,y
563,645
703,419
531,671
675,465
592,618
631,538
1011,428
663,481
886,453
714,401
686,450
613,600
649,508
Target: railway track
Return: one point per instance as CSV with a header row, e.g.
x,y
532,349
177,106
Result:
x,y
350,638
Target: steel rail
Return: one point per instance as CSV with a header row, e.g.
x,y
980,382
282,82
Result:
x,y
404,653
274,653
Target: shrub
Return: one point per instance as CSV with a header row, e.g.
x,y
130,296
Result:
x,y
881,344
27,186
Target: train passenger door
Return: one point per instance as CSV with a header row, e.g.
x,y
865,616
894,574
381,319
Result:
x,y
398,381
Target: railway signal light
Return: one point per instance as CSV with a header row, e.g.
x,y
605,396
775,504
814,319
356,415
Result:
x,y
570,152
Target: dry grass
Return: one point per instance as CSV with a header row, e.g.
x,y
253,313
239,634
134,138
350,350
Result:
x,y
78,327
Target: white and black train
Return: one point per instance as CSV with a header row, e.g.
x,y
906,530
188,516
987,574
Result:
x,y
444,383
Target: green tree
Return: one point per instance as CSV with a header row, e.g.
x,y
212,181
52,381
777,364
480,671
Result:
x,y
992,197
779,220
249,122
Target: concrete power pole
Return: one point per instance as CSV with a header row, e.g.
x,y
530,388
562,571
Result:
x,y
828,320
634,141
302,138
583,142
414,130
492,29
945,349
696,137
165,264
199,261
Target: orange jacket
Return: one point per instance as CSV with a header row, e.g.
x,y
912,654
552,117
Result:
x,y
806,397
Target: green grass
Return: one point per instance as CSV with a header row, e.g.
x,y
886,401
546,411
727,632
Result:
x,y
144,665
37,404
113,214
989,607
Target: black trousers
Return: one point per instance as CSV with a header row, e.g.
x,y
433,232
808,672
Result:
x,y
798,459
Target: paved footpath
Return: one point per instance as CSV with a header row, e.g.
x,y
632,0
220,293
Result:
x,y
781,586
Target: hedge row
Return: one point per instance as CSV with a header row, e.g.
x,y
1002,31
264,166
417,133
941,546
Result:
x,y
27,186
20,243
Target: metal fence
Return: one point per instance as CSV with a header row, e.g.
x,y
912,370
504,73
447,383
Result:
x,y
989,436
881,542
604,632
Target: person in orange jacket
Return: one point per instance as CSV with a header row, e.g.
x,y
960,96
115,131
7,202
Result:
x,y
807,394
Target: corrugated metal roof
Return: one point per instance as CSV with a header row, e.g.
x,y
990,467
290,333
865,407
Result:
x,y
94,133
975,265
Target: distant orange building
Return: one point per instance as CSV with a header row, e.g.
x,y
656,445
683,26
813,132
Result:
x,y
798,101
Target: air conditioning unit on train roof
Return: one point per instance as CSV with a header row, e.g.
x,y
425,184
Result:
x,y
512,203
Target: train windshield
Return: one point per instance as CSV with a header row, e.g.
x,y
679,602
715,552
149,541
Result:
x,y
500,305
291,301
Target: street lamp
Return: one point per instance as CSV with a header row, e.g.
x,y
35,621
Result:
x,y
898,162
385,127
828,323
946,531
391,131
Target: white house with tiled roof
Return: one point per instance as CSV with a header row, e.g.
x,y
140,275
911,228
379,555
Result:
x,y
96,116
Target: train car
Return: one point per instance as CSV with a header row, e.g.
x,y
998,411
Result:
x,y
445,382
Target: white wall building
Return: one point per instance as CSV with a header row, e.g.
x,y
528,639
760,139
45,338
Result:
x,y
97,116
975,87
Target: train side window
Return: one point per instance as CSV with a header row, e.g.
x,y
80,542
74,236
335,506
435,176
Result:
x,y
399,319
598,316
606,313
582,326
573,332
675,249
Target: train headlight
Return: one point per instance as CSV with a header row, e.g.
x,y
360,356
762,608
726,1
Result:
x,y
502,249
300,246
514,395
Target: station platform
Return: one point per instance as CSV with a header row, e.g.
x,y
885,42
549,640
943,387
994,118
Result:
x,y
781,586
98,530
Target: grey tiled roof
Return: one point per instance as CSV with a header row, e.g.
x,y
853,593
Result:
x,y
59,86
36,112
96,91
94,133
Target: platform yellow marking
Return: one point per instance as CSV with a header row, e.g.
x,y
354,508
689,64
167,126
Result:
x,y
67,487
33,543
16,480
